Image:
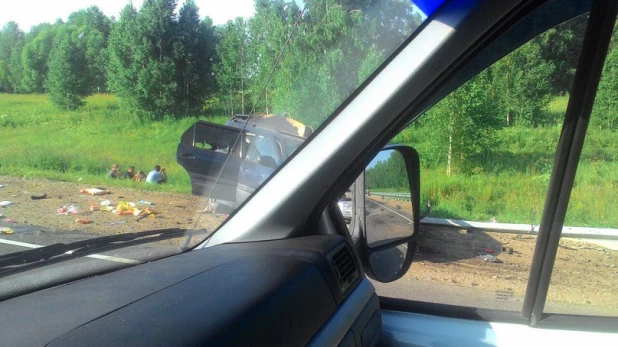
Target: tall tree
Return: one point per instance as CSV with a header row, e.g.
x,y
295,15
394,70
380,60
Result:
x,y
11,44
524,80
142,66
67,80
92,29
157,85
605,111
232,65
35,57
123,60
463,124
193,58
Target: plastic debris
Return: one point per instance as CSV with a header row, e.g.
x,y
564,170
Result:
x,y
38,197
5,230
144,202
490,258
9,220
83,221
5,203
117,223
68,210
2,185
94,191
106,203
94,207
489,250
145,213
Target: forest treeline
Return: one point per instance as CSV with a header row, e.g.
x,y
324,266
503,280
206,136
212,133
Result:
x,y
164,60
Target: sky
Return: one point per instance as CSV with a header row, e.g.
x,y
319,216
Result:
x,y
28,13
382,156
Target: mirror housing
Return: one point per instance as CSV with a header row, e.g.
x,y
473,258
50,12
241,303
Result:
x,y
387,258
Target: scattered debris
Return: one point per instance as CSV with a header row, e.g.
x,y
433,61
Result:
x,y
144,213
508,250
9,220
5,203
489,250
490,258
68,210
5,230
106,203
144,202
2,185
38,197
94,191
83,221
117,223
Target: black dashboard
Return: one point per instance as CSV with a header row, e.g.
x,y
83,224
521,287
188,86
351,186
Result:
x,y
303,291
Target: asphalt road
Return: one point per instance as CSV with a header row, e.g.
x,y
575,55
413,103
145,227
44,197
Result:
x,y
386,224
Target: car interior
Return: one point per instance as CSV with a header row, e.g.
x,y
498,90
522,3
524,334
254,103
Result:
x,y
285,269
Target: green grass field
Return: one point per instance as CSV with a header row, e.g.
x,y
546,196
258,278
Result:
x,y
39,140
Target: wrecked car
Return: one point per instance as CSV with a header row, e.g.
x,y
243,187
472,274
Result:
x,y
228,162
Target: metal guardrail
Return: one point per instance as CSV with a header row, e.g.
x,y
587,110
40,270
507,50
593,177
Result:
x,y
574,232
392,196
567,231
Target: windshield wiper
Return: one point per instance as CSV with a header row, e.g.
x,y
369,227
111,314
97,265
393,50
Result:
x,y
90,246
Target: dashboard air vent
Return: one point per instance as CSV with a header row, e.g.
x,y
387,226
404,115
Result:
x,y
342,262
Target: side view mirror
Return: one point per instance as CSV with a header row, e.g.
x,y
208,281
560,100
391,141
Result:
x,y
387,199
267,161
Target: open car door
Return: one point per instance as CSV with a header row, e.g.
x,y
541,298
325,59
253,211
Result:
x,y
211,154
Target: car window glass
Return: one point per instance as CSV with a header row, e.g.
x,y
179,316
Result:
x,y
585,274
486,153
264,146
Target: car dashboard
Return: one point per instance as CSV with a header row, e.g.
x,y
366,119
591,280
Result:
x,y
303,291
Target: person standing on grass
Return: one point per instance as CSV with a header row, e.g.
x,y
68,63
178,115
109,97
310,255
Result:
x,y
114,172
157,175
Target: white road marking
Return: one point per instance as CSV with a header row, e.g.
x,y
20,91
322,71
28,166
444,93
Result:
x,y
94,256
397,213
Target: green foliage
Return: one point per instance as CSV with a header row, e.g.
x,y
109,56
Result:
x,y
388,174
39,140
92,29
462,126
35,57
605,112
522,84
232,67
194,55
68,73
161,64
11,45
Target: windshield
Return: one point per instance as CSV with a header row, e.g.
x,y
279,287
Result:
x,y
124,117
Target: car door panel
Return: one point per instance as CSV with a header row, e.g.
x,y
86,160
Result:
x,y
211,154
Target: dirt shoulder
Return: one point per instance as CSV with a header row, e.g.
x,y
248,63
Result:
x,y
585,273
171,210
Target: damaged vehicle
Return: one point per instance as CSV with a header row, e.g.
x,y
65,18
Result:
x,y
228,162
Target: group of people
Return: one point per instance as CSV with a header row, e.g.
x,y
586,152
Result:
x,y
157,175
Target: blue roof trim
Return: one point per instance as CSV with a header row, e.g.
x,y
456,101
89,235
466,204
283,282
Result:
x,y
428,7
